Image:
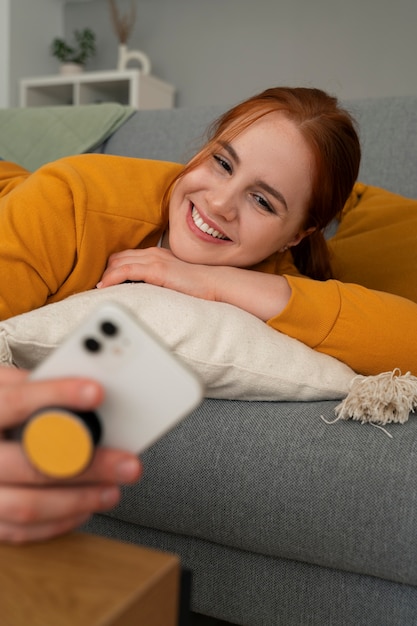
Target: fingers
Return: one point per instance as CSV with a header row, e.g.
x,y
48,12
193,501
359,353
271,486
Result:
x,y
17,534
125,269
20,397
12,375
108,467
148,265
113,466
33,507
28,514
130,272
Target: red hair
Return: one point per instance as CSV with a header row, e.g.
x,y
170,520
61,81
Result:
x,y
329,131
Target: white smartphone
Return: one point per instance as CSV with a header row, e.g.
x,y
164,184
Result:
x,y
147,388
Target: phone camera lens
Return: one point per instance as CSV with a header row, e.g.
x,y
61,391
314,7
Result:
x,y
92,344
109,329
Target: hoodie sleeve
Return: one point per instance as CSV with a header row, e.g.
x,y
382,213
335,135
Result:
x,y
371,331
11,175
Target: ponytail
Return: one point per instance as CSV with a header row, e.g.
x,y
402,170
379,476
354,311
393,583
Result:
x,y
312,257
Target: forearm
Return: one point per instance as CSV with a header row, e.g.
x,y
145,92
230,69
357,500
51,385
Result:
x,y
262,295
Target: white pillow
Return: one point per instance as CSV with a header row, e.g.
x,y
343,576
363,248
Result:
x,y
235,354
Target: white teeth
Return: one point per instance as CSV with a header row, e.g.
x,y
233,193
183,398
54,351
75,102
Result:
x,y
205,228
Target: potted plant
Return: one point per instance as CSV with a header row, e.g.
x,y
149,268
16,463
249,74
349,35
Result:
x,y
73,58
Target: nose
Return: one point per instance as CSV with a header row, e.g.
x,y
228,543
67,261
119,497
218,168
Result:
x,y
222,202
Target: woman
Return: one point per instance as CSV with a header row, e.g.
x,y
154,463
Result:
x,y
276,171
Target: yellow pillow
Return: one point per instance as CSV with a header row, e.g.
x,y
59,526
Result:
x,y
376,242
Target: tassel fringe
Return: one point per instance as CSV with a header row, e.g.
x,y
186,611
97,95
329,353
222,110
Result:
x,y
387,398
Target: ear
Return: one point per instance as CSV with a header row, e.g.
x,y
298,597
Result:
x,y
300,236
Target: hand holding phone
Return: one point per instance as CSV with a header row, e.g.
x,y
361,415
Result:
x,y
147,391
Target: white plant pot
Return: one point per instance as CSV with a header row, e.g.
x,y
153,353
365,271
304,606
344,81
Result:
x,y
70,68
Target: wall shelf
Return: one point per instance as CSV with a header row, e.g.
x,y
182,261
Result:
x,y
129,87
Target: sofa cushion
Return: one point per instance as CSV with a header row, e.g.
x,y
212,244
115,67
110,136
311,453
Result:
x,y
236,355
375,244
273,479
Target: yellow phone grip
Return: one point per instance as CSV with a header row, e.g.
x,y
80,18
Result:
x,y
59,442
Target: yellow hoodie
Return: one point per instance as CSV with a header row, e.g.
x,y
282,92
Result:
x,y
59,225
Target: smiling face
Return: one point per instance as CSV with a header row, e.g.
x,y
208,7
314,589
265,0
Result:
x,y
246,200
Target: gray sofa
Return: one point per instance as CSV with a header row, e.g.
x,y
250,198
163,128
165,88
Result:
x,y
281,518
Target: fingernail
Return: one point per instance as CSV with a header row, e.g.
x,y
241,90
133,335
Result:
x,y
110,496
100,284
128,470
88,394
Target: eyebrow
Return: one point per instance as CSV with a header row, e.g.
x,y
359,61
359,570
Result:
x,y
260,183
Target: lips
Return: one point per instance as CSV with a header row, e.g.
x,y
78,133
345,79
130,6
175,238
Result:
x,y
204,227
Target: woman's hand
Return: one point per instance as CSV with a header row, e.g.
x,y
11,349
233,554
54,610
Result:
x,y
34,507
158,266
263,295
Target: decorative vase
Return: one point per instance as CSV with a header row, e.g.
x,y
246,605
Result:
x,y
126,55
70,68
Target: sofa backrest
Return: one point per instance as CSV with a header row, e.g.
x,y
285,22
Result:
x,y
388,133
167,135
387,128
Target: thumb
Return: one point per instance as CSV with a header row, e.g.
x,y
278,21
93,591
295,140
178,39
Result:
x,y
21,398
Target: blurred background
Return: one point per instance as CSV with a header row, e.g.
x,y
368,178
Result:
x,y
221,51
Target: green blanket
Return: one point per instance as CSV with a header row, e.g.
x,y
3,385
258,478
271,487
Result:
x,y
37,135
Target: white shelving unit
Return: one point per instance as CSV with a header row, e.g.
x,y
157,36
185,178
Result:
x,y
129,87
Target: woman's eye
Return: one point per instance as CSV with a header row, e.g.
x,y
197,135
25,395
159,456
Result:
x,y
223,163
263,203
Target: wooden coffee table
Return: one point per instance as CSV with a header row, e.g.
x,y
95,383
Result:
x,y
85,580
